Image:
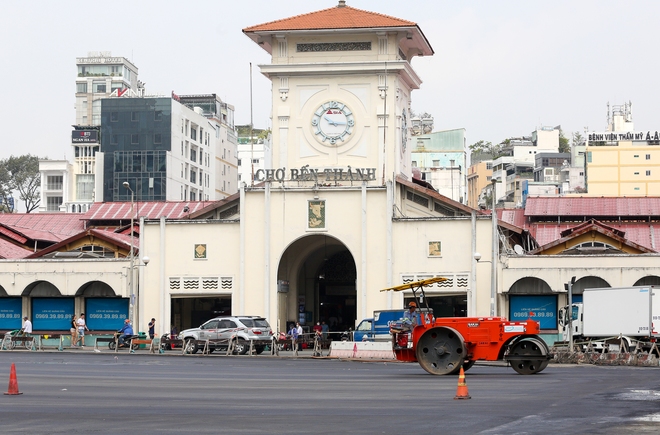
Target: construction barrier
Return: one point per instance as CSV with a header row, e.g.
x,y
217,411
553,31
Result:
x,y
362,350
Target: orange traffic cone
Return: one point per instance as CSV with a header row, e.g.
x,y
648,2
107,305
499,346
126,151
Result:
x,y
462,390
13,383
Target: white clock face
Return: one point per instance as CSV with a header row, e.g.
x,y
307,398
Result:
x,y
333,122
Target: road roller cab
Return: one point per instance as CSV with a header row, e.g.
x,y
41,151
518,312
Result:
x,y
442,345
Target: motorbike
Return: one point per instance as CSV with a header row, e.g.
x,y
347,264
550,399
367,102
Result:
x,y
347,335
126,342
169,341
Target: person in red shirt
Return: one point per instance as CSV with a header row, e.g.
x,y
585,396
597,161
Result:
x,y
318,329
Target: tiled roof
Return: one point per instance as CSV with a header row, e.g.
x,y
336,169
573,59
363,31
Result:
x,y
103,211
10,251
51,227
336,17
118,239
642,234
592,206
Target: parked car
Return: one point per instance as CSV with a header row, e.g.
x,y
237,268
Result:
x,y
220,330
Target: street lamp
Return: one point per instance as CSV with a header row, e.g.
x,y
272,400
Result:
x,y
131,314
496,245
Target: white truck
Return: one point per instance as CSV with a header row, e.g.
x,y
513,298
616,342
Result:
x,y
615,319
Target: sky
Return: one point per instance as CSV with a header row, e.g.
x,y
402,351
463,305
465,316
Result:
x,y
500,69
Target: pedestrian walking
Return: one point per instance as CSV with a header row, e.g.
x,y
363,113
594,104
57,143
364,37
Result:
x,y
74,331
27,326
152,328
82,327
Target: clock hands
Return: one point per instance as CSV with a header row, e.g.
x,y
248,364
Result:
x,y
333,122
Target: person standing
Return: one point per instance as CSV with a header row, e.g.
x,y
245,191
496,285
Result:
x,y
318,329
74,331
82,327
293,333
299,331
27,326
152,328
324,330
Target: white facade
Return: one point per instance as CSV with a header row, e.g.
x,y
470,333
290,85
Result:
x,y
98,76
55,184
252,157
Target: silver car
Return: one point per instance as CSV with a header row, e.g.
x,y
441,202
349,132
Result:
x,y
220,330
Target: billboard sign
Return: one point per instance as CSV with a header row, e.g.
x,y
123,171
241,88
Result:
x,y
84,136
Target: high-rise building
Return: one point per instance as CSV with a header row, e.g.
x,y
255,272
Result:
x,y
99,75
189,140
167,148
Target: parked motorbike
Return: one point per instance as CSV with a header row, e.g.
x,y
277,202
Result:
x,y
126,342
347,335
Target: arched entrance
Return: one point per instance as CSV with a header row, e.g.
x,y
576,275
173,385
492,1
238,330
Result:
x,y
317,283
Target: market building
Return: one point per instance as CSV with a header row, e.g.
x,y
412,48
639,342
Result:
x,y
335,219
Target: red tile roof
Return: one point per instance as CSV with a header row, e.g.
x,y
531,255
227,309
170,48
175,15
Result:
x,y
332,18
51,227
10,251
592,206
557,218
102,211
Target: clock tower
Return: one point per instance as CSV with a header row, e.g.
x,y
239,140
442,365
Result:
x,y
342,83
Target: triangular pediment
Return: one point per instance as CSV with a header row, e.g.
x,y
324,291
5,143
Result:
x,y
591,238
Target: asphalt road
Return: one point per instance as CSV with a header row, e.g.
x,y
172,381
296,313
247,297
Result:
x,y
96,393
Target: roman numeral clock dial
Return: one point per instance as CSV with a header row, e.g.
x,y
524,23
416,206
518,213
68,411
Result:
x,y
333,122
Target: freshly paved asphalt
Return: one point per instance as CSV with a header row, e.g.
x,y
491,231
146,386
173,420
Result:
x,y
87,392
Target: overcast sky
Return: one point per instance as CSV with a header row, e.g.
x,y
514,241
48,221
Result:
x,y
500,69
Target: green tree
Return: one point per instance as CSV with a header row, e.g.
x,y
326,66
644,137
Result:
x,y
21,174
485,150
578,139
564,146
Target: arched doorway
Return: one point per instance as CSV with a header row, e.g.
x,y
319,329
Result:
x,y
317,283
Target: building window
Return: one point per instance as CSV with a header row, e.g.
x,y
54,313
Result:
x,y
99,88
135,139
135,116
114,140
158,115
84,187
635,156
256,161
81,88
193,177
635,173
158,138
53,203
489,166
114,116
436,163
239,162
193,134
648,173
193,155
648,157
414,164
54,182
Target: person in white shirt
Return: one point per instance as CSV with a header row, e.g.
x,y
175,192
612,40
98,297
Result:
x,y
82,327
299,330
27,326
